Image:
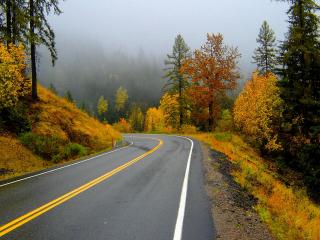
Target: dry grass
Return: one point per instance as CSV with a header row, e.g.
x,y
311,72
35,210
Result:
x,y
16,160
289,212
55,116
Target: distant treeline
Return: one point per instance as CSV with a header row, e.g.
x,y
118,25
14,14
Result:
x,y
90,72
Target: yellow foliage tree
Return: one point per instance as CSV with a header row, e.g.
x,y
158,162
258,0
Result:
x,y
121,98
258,110
13,84
169,104
154,120
102,107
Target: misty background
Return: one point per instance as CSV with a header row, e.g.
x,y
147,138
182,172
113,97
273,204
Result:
x,y
105,44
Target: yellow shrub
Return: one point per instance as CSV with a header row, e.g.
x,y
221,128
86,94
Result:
x,y
123,126
188,129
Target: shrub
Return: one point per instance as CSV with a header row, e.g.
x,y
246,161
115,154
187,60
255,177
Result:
x,y
45,147
223,137
123,126
226,122
188,129
15,119
74,150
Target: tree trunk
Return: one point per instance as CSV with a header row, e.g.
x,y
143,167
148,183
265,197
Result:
x,y
14,23
33,53
180,104
210,116
8,18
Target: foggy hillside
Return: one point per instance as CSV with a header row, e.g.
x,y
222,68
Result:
x,y
89,71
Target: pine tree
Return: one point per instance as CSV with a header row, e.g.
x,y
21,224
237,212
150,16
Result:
x,y
300,88
53,89
13,21
265,55
176,81
26,22
41,33
69,97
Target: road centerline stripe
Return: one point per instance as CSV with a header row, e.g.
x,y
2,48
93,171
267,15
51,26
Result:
x,y
10,226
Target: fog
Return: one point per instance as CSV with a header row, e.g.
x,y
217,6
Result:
x,y
103,44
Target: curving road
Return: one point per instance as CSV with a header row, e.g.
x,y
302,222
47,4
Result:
x,y
152,189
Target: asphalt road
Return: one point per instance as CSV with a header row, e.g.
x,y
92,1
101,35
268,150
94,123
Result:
x,y
143,191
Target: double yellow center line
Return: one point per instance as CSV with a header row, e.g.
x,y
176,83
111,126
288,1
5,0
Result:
x,y
40,210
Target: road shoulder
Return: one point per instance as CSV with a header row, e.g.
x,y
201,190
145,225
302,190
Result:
x,y
232,207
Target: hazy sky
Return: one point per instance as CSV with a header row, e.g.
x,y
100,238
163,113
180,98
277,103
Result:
x,y
151,25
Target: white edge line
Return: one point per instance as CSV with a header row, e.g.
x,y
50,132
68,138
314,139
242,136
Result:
x,y
66,166
183,198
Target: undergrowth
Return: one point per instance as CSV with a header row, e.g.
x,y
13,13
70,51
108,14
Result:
x,y
287,210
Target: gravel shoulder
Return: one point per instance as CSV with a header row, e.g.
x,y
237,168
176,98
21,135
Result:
x,y
232,207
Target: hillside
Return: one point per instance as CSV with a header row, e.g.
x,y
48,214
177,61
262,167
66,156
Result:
x,y
59,132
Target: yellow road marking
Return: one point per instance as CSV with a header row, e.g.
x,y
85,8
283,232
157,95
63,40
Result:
x,y
44,208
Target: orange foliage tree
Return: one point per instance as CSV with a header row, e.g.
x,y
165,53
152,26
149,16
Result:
x,y
213,71
258,110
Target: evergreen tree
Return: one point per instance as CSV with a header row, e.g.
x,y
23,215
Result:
x,y
13,17
265,54
300,89
41,33
26,22
53,89
69,97
177,83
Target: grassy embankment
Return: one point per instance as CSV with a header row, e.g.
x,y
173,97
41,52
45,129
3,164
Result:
x,y
58,127
287,210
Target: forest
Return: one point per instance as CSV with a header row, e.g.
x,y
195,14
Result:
x,y
194,91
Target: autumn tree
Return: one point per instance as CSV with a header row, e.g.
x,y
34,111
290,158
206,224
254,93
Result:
x,y
265,55
121,98
136,118
154,120
258,111
169,104
213,70
13,84
102,107
177,83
